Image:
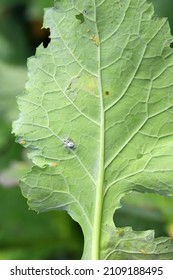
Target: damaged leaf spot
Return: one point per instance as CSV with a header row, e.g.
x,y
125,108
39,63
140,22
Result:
x,y
80,17
107,92
46,38
171,45
121,232
139,156
85,82
142,251
22,142
95,39
54,164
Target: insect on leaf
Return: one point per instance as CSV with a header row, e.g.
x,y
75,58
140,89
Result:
x,y
104,83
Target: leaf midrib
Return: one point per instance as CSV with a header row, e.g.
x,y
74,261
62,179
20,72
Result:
x,y
95,254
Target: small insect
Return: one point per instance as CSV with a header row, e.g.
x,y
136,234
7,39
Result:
x,y
69,144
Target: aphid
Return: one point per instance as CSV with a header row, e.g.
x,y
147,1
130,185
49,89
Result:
x,y
69,144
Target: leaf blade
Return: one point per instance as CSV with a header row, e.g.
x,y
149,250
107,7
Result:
x,y
108,101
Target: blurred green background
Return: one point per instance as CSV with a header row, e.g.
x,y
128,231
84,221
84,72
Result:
x,y
53,235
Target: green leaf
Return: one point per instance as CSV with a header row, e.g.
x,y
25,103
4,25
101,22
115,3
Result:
x,y
105,84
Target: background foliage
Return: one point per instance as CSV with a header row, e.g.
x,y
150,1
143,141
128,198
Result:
x,y
23,233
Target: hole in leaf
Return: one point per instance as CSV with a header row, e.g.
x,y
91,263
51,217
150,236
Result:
x,y
80,17
163,9
145,211
46,38
171,45
107,92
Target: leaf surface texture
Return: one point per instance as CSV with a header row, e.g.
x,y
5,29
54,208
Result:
x,y
104,82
